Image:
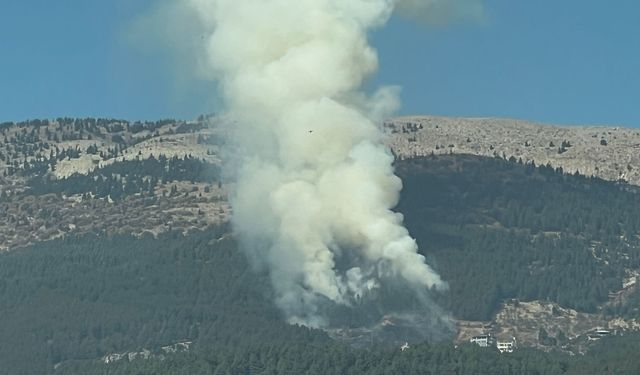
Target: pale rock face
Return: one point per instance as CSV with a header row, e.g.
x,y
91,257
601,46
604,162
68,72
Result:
x,y
611,153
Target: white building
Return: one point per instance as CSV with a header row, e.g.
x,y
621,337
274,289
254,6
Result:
x,y
484,341
506,346
599,333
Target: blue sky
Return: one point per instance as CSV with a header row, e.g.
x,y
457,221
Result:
x,y
570,61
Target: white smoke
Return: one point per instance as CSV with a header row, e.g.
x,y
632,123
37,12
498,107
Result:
x,y
316,186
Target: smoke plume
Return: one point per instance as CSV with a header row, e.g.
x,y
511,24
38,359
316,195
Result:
x,y
316,186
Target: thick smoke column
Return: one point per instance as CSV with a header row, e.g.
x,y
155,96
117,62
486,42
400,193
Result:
x,y
316,184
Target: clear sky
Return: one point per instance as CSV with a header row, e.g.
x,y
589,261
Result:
x,y
556,61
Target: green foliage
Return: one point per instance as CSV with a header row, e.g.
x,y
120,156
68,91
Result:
x,y
337,359
79,298
496,229
611,355
129,177
629,308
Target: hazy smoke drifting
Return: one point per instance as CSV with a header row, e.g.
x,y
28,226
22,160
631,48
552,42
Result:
x,y
440,12
316,184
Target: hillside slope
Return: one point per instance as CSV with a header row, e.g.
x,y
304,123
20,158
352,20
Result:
x,y
611,153
525,245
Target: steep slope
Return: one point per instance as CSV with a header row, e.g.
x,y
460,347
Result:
x,y
523,245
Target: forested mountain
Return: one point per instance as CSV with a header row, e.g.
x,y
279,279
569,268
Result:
x,y
119,250
80,175
500,229
68,303
81,298
610,356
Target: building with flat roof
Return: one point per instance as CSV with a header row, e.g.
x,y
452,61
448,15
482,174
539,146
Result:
x,y
506,346
484,341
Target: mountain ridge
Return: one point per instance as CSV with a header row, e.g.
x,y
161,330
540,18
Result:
x,y
611,153
526,246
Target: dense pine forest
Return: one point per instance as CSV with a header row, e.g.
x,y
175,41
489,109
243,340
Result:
x,y
494,229
611,356
80,298
68,303
499,229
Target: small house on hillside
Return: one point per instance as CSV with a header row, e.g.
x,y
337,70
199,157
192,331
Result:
x,y
507,346
484,341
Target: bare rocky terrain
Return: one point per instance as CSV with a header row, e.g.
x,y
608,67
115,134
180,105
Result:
x,y
611,153
523,321
62,148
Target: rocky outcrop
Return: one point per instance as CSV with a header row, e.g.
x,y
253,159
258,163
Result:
x,y
611,153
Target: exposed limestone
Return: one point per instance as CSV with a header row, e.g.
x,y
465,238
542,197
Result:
x,y
523,320
611,153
